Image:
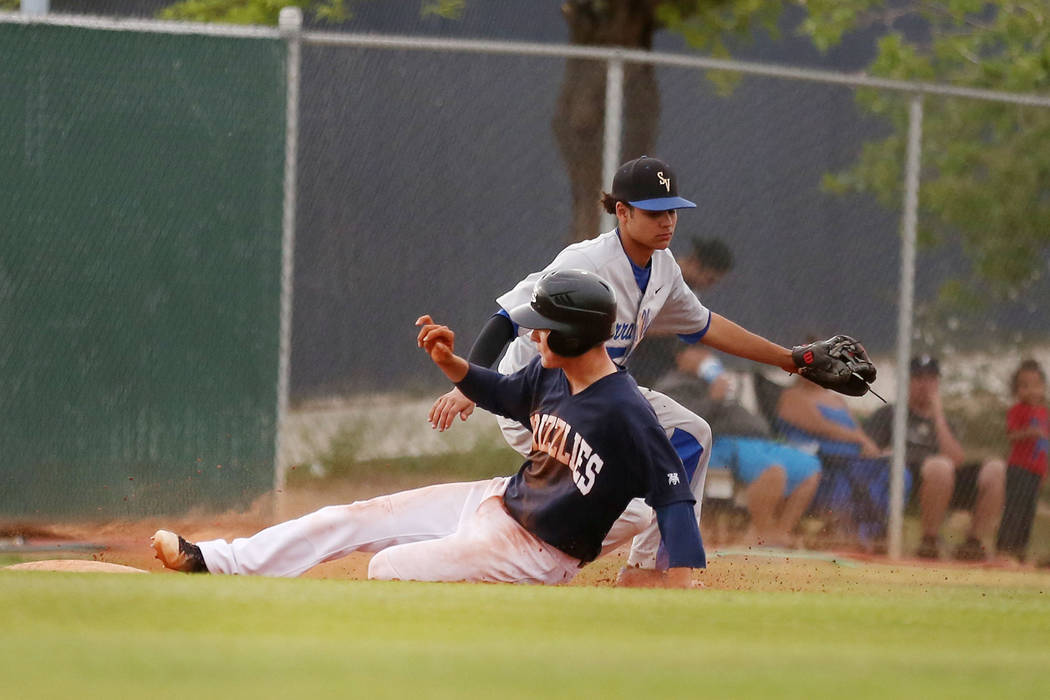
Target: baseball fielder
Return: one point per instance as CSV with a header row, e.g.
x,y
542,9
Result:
x,y
651,296
596,445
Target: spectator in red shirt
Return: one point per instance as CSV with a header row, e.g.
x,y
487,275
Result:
x,y
1028,428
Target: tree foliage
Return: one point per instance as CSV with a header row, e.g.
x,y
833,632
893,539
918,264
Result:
x,y
985,179
267,11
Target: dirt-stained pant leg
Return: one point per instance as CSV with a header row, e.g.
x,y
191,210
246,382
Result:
x,y
691,436
290,548
489,546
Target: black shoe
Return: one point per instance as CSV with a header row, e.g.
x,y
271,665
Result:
x,y
178,554
971,550
929,549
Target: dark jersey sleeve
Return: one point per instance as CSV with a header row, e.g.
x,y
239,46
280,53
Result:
x,y
681,535
498,331
509,396
663,473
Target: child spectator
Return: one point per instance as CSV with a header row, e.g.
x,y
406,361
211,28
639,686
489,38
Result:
x,y
1028,429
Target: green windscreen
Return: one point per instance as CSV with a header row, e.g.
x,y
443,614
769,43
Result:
x,y
140,255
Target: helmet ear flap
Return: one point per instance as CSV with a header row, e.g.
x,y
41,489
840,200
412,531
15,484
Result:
x,y
565,345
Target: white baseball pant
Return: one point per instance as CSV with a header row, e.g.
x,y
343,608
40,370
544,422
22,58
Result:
x,y
446,532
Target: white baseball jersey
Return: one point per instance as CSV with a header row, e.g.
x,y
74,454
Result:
x,y
667,305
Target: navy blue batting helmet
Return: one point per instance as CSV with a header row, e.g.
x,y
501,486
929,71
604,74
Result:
x,y
576,306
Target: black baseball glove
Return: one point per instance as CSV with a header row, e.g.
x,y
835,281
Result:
x,y
840,363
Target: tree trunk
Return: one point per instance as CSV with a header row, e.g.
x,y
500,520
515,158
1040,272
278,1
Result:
x,y
579,122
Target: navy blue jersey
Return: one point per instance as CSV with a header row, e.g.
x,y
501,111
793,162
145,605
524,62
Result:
x,y
592,452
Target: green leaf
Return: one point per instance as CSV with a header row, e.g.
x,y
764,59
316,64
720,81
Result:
x,y
449,9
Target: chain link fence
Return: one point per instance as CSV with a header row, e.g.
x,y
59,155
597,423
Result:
x,y
428,179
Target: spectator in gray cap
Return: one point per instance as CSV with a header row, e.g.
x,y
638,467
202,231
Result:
x,y
944,478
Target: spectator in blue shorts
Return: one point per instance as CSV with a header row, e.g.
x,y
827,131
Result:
x,y
780,481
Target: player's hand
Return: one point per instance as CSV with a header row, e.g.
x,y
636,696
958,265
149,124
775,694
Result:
x,y
637,577
447,407
681,577
438,341
840,364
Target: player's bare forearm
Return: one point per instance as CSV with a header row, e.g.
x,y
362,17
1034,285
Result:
x,y
455,368
439,342
729,337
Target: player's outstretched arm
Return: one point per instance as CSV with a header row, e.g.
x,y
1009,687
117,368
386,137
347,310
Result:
x,y
731,338
439,342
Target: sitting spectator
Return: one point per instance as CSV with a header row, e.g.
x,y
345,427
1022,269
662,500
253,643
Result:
x,y
708,262
1028,429
854,488
938,467
779,480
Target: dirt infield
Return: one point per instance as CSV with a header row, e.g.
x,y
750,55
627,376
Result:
x,y
125,546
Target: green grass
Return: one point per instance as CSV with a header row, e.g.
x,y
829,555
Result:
x,y
171,636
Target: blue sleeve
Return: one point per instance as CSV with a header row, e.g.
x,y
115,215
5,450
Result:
x,y
692,338
509,396
681,535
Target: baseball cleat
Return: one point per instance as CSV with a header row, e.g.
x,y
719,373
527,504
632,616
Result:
x,y
178,554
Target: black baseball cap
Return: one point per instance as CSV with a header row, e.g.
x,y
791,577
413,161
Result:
x,y
925,364
649,184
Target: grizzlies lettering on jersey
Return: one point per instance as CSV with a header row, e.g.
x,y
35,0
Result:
x,y
587,462
550,434
666,305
